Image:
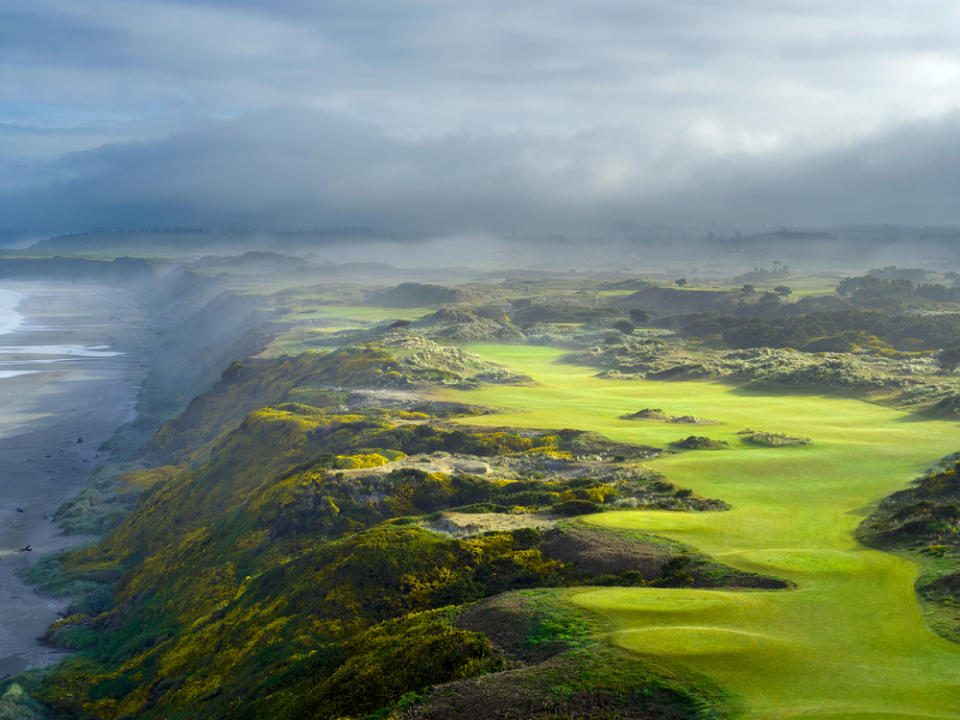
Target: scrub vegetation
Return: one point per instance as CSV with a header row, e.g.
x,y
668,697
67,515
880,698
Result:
x,y
292,562
851,641
387,497
923,522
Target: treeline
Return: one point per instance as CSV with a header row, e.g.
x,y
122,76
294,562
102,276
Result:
x,y
870,289
814,331
895,296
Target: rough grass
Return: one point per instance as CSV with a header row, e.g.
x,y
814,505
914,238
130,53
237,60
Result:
x,y
698,442
924,523
566,671
851,642
769,439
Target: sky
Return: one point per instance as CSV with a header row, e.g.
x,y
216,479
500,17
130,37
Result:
x,y
439,116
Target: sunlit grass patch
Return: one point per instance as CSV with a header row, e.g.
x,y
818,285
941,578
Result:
x,y
850,641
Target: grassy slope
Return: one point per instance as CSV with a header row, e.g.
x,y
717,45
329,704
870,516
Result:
x,y
331,319
852,641
215,624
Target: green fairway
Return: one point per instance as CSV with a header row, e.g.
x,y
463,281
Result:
x,y
851,641
348,316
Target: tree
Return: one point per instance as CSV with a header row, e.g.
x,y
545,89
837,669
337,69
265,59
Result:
x,y
624,326
782,290
681,282
748,289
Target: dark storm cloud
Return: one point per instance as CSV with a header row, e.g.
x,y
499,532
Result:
x,y
295,169
908,174
429,113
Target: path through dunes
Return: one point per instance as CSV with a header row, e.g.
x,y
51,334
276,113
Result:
x,y
851,641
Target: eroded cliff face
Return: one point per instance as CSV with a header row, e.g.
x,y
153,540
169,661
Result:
x,y
199,325
199,328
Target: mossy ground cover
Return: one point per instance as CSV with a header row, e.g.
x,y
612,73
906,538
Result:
x,y
851,641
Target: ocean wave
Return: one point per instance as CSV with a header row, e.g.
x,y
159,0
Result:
x,y
10,319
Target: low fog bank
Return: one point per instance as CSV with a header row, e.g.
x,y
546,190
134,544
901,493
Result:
x,y
627,250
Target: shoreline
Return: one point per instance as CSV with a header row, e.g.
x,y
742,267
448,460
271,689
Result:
x,y
57,412
10,318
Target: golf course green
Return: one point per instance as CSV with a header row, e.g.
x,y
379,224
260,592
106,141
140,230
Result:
x,y
851,641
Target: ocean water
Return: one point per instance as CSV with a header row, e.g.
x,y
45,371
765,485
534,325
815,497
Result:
x,y
19,360
4,374
10,319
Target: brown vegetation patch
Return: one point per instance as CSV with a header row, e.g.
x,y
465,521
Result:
x,y
506,621
606,553
647,414
577,684
460,524
659,415
946,585
698,442
691,420
770,439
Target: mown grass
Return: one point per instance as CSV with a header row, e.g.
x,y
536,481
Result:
x,y
851,641
802,285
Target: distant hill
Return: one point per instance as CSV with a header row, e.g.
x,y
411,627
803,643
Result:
x,y
255,261
120,270
412,294
190,240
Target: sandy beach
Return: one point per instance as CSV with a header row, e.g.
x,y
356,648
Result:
x,y
68,378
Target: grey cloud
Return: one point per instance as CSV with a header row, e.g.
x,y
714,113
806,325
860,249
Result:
x,y
909,174
557,65
296,169
438,114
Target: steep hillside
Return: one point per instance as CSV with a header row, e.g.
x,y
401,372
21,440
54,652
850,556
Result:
x,y
400,364
414,294
297,565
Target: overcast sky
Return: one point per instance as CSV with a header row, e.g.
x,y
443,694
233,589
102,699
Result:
x,y
437,115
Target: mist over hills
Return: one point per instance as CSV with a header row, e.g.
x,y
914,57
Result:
x,y
434,120
479,360
626,250
293,169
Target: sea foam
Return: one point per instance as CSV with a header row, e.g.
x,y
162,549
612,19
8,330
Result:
x,y
10,319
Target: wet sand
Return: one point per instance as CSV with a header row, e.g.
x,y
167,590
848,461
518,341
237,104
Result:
x,y
66,396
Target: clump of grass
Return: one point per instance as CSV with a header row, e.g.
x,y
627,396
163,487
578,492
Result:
x,y
698,442
646,414
770,439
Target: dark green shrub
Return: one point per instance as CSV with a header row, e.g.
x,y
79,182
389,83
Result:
x,y
575,507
